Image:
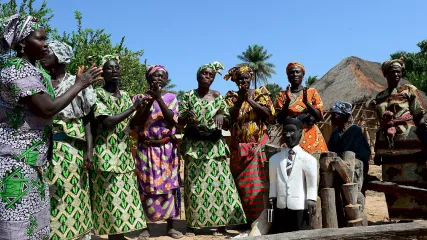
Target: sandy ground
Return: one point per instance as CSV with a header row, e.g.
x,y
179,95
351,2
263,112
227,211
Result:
x,y
376,210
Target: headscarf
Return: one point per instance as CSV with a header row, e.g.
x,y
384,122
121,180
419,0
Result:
x,y
14,29
62,51
295,64
235,72
215,66
387,64
153,68
343,108
101,60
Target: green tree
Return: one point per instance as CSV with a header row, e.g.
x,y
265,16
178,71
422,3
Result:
x,y
415,65
310,80
89,43
26,7
274,90
168,87
179,95
256,58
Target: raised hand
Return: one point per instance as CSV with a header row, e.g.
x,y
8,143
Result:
x,y
305,95
86,78
288,93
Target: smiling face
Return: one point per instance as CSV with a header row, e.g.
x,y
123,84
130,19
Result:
x,y
111,72
295,76
243,81
35,45
292,135
394,74
206,77
157,79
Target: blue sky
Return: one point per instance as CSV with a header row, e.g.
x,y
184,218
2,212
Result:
x,y
182,35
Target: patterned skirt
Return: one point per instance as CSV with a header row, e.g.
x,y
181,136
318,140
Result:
x,y
24,201
247,166
210,195
412,171
160,207
116,205
71,213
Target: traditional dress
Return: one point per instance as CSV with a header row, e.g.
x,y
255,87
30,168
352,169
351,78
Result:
x,y
71,213
158,164
116,204
211,198
25,148
249,135
312,140
400,149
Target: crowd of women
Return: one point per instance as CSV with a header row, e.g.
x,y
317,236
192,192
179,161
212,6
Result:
x,y
67,168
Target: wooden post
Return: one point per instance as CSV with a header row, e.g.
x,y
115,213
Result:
x,y
350,159
343,170
352,212
355,223
317,218
326,171
329,211
350,192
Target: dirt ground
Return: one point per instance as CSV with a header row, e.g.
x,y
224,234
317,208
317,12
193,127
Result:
x,y
376,210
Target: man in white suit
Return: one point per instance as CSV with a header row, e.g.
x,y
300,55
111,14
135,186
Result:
x,y
293,183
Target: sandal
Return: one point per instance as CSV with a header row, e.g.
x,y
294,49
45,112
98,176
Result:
x,y
145,235
175,234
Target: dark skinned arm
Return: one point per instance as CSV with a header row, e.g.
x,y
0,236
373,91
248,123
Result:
x,y
234,111
44,106
167,113
110,122
87,121
141,116
314,112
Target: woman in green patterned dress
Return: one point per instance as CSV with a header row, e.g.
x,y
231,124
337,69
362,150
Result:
x,y
116,205
210,195
71,214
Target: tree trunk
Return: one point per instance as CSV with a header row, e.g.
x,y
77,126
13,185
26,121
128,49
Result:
x,y
255,79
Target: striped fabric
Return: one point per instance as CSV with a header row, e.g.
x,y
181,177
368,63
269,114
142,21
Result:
x,y
247,166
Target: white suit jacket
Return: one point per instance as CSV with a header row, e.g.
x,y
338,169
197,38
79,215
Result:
x,y
293,192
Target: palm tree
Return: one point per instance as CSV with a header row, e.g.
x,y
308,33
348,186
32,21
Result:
x,y
256,58
274,90
310,80
168,87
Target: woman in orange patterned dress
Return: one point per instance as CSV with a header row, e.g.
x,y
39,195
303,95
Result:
x,y
304,103
250,111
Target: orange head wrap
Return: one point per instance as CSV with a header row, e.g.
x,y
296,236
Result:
x,y
295,64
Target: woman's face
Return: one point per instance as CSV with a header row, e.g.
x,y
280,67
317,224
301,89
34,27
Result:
x,y
35,47
111,72
394,74
243,81
338,120
206,77
49,61
157,79
295,76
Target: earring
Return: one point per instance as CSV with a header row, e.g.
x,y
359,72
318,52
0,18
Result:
x,y
22,49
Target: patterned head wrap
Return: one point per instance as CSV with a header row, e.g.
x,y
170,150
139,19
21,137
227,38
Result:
x,y
235,72
216,67
343,108
295,64
387,64
14,29
153,68
101,60
62,51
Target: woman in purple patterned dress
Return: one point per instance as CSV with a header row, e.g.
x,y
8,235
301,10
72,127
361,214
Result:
x,y
157,155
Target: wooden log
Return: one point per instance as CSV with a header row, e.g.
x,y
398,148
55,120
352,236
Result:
x,y
419,194
325,164
350,192
329,211
326,179
352,212
343,170
355,223
361,200
317,218
415,230
350,160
